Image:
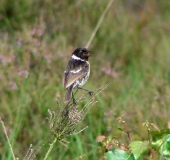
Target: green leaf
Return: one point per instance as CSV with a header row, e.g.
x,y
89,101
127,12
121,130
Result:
x,y
168,144
157,135
158,138
120,129
165,148
157,144
138,147
118,154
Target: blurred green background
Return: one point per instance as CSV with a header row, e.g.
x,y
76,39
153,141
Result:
x,y
131,50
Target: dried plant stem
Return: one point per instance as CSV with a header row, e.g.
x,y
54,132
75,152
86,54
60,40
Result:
x,y
51,147
150,145
29,152
99,23
5,132
126,130
63,123
81,130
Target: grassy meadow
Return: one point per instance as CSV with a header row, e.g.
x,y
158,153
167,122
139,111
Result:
x,y
131,51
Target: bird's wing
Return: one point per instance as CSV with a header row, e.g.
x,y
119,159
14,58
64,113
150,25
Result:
x,y
74,71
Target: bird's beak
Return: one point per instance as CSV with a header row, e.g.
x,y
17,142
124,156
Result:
x,y
89,55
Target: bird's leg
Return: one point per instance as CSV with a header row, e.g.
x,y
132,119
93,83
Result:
x,y
74,100
90,92
75,92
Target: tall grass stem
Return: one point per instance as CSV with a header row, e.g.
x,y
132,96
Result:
x,y
99,23
5,132
50,148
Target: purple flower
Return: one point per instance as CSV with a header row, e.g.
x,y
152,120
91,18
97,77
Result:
x,y
23,73
12,85
7,59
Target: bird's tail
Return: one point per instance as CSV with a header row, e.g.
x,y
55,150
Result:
x,y
68,95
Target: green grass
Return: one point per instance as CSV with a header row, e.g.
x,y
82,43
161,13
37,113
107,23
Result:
x,y
132,43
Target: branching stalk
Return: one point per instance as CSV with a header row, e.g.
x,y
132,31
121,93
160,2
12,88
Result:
x,y
50,148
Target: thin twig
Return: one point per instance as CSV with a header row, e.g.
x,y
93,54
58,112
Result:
x,y
126,130
5,132
81,130
31,153
28,152
99,23
150,145
147,125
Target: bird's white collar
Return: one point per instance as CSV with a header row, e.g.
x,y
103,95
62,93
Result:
x,y
76,58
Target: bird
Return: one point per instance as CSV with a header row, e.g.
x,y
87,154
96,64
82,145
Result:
x,y
76,73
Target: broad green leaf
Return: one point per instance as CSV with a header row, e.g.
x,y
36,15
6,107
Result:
x,y
168,144
138,147
156,144
157,138
165,148
157,135
118,154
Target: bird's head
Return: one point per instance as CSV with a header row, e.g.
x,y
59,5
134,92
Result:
x,y
82,53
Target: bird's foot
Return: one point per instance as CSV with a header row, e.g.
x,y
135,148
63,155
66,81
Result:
x,y
91,93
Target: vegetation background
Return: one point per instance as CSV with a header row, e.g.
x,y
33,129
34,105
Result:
x,y
131,50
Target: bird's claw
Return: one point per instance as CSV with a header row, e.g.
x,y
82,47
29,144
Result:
x,y
91,93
